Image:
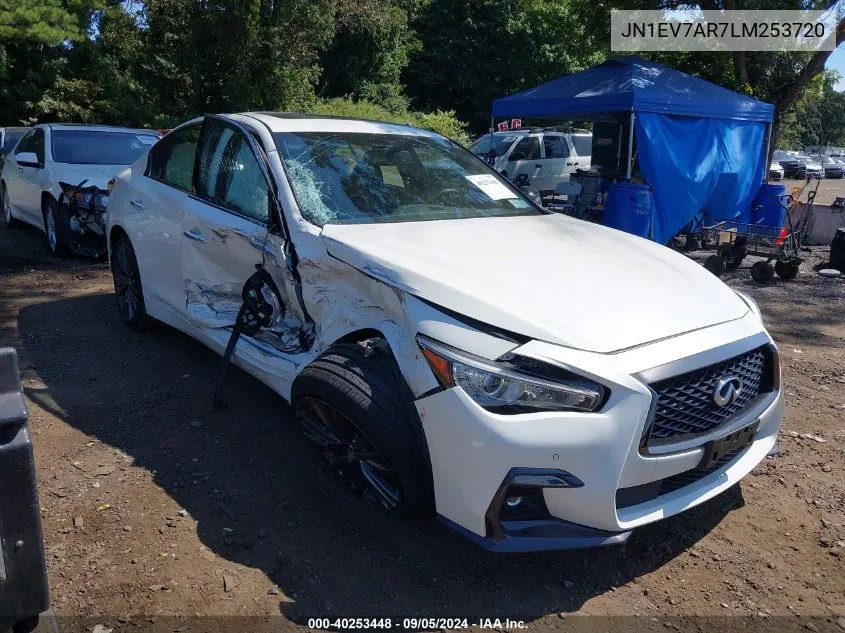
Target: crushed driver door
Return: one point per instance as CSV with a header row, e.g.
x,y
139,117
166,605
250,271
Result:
x,y
227,234
226,225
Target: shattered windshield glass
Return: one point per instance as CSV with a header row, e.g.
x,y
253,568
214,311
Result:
x,y
351,178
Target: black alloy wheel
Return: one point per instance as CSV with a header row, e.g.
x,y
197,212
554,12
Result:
x,y
350,453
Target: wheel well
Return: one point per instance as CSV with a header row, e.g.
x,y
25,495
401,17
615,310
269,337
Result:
x,y
46,196
359,336
116,232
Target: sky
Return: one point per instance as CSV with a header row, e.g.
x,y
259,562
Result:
x,y
836,61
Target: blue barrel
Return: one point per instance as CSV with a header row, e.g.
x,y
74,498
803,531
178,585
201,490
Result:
x,y
768,207
629,208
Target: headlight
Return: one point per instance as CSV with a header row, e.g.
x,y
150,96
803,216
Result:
x,y
503,388
752,305
86,198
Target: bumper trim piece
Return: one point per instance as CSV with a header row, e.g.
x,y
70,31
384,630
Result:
x,y
541,536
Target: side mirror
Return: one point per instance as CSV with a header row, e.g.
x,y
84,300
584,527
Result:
x,y
532,193
27,159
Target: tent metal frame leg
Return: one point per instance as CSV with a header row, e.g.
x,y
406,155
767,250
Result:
x,y
630,146
766,155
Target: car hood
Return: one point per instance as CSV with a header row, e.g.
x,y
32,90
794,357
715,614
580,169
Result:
x,y
97,175
548,277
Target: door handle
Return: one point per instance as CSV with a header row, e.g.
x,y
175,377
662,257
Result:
x,y
195,235
136,202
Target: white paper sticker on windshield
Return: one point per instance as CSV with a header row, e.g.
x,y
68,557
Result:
x,y
390,176
147,140
518,203
494,189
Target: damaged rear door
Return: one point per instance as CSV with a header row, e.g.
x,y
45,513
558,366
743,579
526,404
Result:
x,y
226,225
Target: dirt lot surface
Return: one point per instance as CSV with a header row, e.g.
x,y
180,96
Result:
x,y
829,189
153,506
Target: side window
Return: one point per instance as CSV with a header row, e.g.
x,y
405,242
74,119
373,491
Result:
x,y
33,142
527,149
230,175
171,160
38,145
26,144
583,145
553,147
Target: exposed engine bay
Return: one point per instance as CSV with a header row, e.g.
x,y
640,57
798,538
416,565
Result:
x,y
82,212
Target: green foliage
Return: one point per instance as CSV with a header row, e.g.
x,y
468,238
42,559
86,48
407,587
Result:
x,y
44,21
475,50
369,50
818,117
442,122
432,63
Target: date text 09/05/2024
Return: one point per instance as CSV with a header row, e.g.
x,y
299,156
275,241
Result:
x,y
413,623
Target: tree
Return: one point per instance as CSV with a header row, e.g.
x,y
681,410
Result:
x,y
475,50
368,52
33,43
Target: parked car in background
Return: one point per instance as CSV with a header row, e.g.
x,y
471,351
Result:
x,y
832,167
383,280
547,157
812,167
793,167
775,171
9,137
56,179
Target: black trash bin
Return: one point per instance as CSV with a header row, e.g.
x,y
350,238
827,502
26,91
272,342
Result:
x,y
23,573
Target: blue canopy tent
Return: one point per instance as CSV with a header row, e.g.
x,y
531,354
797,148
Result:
x,y
701,147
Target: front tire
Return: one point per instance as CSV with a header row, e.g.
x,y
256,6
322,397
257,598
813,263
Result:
x,y
353,404
127,286
8,220
54,228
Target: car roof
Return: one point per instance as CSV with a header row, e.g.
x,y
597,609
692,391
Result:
x,y
98,128
299,122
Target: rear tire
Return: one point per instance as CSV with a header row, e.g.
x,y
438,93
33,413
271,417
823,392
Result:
x,y
733,255
715,264
762,272
786,270
127,286
351,398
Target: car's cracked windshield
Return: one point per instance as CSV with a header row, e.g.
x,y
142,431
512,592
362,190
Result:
x,y
352,178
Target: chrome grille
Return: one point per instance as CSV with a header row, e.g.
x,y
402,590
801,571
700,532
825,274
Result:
x,y
685,404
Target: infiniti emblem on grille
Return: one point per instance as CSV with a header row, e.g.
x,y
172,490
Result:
x,y
727,391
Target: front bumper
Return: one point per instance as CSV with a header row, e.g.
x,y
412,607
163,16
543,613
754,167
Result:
x,y
474,452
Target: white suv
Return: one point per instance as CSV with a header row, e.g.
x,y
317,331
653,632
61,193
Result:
x,y
546,157
537,381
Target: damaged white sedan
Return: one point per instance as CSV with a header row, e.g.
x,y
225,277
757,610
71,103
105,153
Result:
x,y
56,179
537,381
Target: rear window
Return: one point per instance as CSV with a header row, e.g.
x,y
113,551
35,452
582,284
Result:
x,y
89,147
583,145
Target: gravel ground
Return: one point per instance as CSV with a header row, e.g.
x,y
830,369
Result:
x,y
157,510
829,189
